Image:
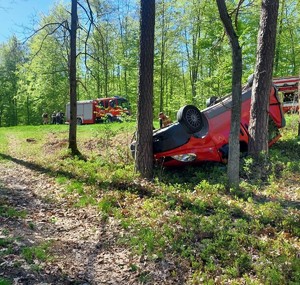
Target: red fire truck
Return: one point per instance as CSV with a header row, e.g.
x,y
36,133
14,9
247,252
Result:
x,y
98,110
288,86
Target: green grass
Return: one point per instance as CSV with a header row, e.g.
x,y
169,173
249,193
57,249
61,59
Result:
x,y
4,242
238,236
4,281
40,253
10,212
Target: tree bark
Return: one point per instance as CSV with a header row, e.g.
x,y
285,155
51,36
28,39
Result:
x,y
73,83
234,144
258,127
278,44
162,60
144,146
193,59
299,107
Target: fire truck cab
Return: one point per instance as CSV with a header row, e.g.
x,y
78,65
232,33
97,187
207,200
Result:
x,y
288,86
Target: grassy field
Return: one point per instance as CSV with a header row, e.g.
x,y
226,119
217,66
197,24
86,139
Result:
x,y
222,235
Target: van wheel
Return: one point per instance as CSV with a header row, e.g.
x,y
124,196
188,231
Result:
x,y
191,119
79,121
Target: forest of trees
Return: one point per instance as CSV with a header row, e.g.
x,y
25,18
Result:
x,y
192,55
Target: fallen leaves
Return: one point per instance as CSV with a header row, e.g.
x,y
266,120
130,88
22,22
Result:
x,y
84,247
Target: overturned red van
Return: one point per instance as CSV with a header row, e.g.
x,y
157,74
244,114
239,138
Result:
x,y
203,136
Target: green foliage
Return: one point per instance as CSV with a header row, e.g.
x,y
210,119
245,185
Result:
x,y
192,61
4,281
144,277
270,212
4,242
75,187
10,212
107,204
40,253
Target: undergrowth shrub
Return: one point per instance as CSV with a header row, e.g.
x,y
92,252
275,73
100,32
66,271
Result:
x,y
270,213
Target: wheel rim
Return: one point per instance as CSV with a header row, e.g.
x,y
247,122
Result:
x,y
193,118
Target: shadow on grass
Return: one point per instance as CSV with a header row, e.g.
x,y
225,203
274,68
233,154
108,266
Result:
x,y
183,176
37,167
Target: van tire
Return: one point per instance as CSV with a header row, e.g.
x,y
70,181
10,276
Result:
x,y
190,118
79,121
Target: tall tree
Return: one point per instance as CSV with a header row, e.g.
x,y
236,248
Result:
x,y
193,55
11,57
162,56
44,81
299,106
287,54
278,44
190,58
258,127
144,145
234,145
73,81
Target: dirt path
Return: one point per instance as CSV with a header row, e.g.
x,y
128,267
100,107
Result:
x,y
83,247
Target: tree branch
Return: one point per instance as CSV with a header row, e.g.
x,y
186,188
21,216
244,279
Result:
x,y
63,24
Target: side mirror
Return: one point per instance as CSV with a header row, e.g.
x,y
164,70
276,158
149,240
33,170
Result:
x,y
211,101
250,80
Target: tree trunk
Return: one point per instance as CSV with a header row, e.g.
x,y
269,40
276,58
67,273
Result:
x,y
193,60
234,144
162,60
144,146
73,83
258,127
278,45
293,51
299,106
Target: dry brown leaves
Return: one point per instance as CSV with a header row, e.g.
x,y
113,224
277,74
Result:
x,y
84,248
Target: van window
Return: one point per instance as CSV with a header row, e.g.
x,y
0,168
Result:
x,y
112,103
124,103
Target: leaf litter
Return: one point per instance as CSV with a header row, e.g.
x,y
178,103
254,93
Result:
x,y
82,247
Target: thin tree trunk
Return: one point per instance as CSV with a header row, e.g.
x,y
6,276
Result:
x,y
27,110
294,64
299,106
183,79
124,43
73,83
278,45
144,145
162,59
258,127
193,60
234,144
